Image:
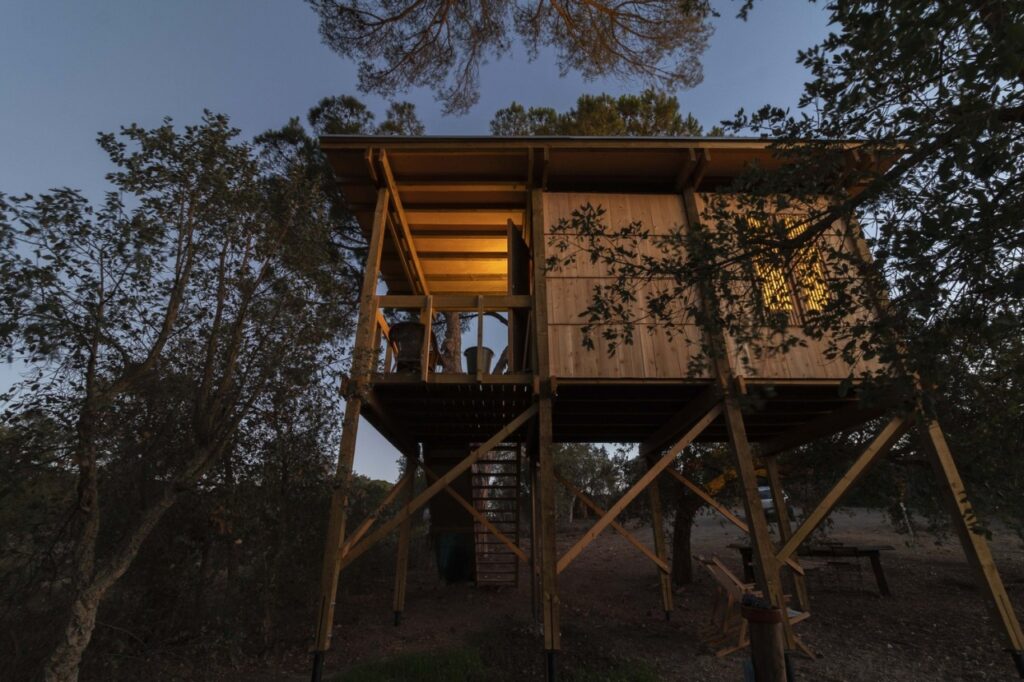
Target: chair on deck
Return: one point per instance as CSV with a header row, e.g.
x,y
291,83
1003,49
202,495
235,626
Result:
x,y
727,629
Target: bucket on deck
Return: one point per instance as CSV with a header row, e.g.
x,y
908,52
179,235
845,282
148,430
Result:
x,y
486,356
408,337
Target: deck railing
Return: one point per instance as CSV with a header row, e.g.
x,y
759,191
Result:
x,y
519,352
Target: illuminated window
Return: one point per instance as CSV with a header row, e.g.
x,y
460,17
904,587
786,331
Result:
x,y
806,276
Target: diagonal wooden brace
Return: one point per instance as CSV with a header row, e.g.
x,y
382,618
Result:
x,y
881,443
638,487
618,527
439,485
700,492
481,519
367,523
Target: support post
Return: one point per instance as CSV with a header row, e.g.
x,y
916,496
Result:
x,y
549,551
658,528
771,465
545,456
535,592
362,355
766,566
979,556
404,533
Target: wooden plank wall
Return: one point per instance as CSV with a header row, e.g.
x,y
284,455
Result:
x,y
807,361
655,354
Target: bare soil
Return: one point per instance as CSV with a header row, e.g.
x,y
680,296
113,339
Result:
x,y
935,626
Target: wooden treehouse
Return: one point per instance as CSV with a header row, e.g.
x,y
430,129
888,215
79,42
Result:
x,y
463,225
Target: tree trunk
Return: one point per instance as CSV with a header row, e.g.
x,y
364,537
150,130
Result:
x,y
62,665
682,554
63,662
451,347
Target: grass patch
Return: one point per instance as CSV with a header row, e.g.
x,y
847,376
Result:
x,y
438,666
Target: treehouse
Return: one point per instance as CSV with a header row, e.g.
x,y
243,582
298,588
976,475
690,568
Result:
x,y
464,227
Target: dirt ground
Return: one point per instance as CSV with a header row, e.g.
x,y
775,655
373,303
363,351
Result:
x,y
934,627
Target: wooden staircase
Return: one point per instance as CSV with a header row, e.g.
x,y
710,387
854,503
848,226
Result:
x,y
496,496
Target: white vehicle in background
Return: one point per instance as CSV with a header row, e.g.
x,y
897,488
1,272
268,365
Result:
x,y
768,502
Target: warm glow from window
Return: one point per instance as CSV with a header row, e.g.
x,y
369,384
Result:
x,y
808,270
808,273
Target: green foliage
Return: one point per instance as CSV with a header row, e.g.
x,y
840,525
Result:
x,y
442,45
184,340
648,114
933,93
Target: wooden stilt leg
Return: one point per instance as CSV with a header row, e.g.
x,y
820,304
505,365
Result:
x,y
362,358
404,533
660,548
766,566
975,547
535,548
771,465
548,556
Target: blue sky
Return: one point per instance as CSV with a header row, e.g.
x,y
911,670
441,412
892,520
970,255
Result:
x,y
70,69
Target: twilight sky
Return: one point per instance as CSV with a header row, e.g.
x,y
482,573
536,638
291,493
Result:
x,y
72,68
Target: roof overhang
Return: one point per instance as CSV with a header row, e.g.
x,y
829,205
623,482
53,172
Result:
x,y
470,188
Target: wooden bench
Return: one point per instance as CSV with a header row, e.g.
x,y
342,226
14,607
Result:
x,y
727,631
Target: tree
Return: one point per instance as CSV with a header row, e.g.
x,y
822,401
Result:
x,y
589,468
157,323
441,44
933,94
648,114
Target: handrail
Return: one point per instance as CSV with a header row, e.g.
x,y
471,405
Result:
x,y
456,302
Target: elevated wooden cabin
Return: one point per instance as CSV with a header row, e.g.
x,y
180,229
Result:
x,y
463,224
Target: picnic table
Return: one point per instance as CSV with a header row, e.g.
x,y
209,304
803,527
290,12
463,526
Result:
x,y
827,550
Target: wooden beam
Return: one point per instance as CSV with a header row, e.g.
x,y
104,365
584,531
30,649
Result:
x,y
438,485
771,465
686,167
679,422
878,446
616,526
979,556
362,356
550,604
535,589
427,320
840,420
703,494
385,425
766,566
403,224
463,187
638,487
704,156
423,217
404,536
368,522
456,302
481,519
403,259
660,548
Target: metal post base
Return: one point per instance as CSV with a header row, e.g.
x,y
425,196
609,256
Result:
x,y
398,618
318,666
668,616
552,670
1018,658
